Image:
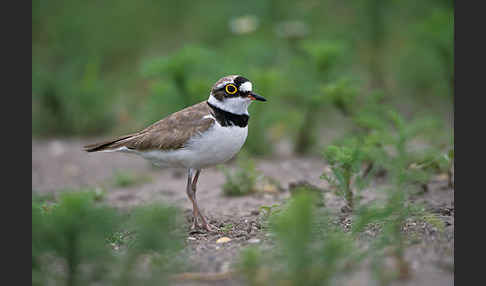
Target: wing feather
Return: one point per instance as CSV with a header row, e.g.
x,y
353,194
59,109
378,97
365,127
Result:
x,y
170,133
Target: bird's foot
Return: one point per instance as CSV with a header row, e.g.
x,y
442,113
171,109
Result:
x,y
209,227
195,223
200,222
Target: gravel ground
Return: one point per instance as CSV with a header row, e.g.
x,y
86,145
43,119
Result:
x,y
58,164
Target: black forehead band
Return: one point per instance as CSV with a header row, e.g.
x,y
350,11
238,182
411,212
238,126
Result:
x,y
239,80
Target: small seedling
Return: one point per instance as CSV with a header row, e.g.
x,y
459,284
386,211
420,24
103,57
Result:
x,y
227,228
269,210
345,163
243,180
434,221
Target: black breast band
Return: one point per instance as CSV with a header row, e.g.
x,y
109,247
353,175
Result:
x,y
226,118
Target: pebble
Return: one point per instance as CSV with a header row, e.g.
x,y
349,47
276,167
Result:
x,y
191,238
254,240
223,239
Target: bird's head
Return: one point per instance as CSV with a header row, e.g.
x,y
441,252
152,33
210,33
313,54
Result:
x,y
234,94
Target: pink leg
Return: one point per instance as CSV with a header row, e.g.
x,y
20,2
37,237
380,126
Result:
x,y
192,196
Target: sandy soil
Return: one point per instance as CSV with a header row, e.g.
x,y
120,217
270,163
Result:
x,y
60,164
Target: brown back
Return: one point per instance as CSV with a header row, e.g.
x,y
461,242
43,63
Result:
x,y
170,133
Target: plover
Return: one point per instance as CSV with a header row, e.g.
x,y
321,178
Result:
x,y
202,135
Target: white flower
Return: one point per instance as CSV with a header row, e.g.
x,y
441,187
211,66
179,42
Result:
x,y
244,24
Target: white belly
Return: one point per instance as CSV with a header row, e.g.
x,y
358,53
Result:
x,y
217,145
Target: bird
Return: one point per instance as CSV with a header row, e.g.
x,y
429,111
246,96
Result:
x,y
205,134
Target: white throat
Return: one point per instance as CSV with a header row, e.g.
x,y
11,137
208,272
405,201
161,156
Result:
x,y
236,105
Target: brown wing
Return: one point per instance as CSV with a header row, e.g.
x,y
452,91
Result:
x,y
169,133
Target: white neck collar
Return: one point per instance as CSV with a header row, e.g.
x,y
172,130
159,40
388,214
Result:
x,y
237,105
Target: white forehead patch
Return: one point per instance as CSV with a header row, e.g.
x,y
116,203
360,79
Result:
x,y
246,86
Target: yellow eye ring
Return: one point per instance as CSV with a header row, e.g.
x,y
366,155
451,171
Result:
x,y
230,88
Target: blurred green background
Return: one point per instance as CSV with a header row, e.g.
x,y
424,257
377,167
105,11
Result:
x,y
102,68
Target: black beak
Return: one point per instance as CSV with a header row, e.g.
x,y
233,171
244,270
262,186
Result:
x,y
254,96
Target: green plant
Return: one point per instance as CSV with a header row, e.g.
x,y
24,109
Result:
x,y
345,163
320,60
390,240
157,233
269,210
243,180
309,249
227,228
403,133
71,241
386,138
74,231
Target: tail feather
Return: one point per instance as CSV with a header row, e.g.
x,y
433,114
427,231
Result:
x,y
105,145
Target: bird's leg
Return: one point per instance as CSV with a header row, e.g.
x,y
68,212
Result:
x,y
192,196
205,225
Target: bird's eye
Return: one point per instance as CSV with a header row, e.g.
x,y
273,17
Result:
x,y
231,89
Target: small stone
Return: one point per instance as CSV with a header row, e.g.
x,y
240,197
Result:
x,y
191,238
223,239
442,177
254,241
267,196
270,188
